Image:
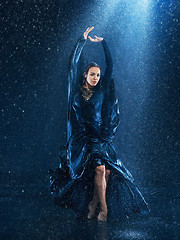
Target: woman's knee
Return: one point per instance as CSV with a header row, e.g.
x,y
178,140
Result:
x,y
100,170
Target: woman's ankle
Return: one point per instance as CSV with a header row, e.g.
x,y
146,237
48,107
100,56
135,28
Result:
x,y
104,209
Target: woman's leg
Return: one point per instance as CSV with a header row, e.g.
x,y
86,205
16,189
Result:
x,y
93,204
100,183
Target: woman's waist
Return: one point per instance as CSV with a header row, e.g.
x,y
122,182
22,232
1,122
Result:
x,y
91,133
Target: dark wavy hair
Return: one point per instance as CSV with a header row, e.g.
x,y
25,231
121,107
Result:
x,y
90,65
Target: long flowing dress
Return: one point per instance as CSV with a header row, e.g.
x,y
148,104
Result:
x,y
92,120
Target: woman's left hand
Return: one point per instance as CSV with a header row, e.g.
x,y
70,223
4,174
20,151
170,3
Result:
x,y
96,39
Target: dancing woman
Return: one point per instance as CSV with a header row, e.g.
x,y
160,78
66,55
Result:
x,y
91,179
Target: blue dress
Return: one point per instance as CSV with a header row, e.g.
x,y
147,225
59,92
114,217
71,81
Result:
x,y
93,117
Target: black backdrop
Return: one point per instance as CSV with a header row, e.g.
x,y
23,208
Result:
x,y
37,39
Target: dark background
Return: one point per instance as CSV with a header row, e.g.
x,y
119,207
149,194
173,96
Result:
x,y
37,38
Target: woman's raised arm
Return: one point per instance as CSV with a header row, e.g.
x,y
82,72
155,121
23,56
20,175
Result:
x,y
109,64
72,75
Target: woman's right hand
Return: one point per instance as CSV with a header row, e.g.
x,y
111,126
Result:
x,y
88,30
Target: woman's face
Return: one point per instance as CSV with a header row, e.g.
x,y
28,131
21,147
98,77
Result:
x,y
93,76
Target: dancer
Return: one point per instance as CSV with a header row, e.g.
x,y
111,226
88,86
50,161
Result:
x,y
91,179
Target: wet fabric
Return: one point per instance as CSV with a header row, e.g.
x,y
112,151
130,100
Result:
x,y
93,118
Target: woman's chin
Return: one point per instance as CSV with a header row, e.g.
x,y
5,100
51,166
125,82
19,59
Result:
x,y
94,84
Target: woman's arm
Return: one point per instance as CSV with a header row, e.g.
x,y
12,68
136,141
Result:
x,y
109,64
72,75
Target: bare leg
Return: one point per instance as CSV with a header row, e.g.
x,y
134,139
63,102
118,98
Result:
x,y
93,204
101,179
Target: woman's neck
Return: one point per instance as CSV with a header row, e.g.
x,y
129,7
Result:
x,y
88,86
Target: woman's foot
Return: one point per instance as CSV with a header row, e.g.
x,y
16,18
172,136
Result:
x,y
102,216
92,210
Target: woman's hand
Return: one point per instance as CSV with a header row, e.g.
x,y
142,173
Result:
x,y
96,39
88,30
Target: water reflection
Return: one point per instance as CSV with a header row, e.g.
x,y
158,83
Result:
x,y
99,230
93,230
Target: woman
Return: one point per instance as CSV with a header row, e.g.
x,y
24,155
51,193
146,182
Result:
x,y
91,179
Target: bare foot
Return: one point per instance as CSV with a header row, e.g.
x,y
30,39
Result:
x,y
102,216
92,210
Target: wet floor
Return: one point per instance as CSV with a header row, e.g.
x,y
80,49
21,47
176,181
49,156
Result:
x,y
30,214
